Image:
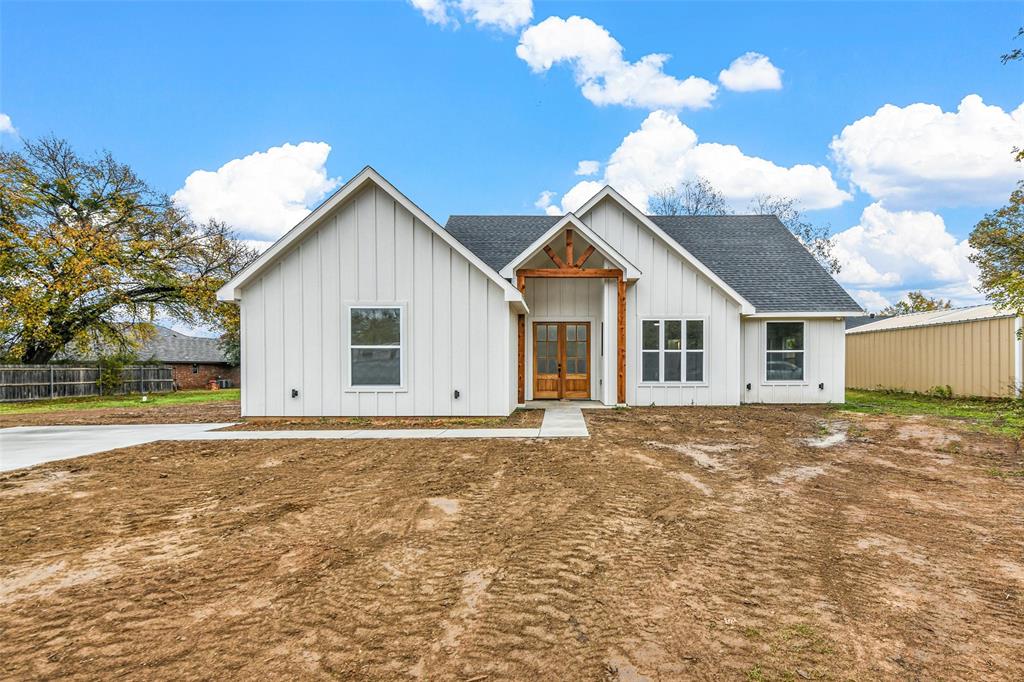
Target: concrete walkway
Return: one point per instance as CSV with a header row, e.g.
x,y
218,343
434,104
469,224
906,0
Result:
x,y
24,446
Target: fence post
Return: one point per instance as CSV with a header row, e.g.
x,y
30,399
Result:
x,y
51,382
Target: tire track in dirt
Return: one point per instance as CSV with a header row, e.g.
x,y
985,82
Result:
x,y
525,559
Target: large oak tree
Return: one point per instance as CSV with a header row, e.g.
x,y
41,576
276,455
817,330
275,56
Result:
x,y
89,253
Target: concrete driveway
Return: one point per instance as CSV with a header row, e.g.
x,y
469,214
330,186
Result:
x,y
24,446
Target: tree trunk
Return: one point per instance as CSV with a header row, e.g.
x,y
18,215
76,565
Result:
x,y
37,356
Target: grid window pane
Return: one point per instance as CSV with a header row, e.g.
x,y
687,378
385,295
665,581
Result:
x,y
673,334
542,333
650,367
695,335
695,366
376,367
785,366
651,334
376,326
581,332
673,366
570,332
785,335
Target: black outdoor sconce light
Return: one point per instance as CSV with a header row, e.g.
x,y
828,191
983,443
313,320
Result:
x,y
821,386
456,395
295,393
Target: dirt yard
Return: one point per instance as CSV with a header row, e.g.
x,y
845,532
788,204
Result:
x,y
750,543
229,411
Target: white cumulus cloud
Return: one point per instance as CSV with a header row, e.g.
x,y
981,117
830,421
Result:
x,y
872,301
920,156
505,15
588,167
665,152
434,11
6,126
602,73
544,203
903,250
749,72
264,194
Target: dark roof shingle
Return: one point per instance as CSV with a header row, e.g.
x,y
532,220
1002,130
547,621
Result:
x,y
166,345
754,254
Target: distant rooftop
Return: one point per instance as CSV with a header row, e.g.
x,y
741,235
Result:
x,y
933,317
169,346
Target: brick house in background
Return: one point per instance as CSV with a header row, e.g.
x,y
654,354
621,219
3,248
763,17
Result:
x,y
195,360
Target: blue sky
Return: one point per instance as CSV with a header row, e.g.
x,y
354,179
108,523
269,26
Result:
x,y
461,123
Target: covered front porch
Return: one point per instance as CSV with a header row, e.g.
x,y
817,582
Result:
x,y
572,343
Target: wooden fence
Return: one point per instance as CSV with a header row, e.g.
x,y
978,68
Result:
x,y
42,382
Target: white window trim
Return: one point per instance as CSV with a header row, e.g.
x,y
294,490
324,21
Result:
x,y
402,351
661,319
765,381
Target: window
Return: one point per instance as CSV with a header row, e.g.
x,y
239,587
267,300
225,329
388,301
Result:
x,y
672,351
195,369
784,344
375,344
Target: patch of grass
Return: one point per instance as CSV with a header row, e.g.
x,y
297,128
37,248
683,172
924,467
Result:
x,y
102,402
1006,473
995,416
756,674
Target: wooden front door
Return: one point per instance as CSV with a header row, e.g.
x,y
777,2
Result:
x,y
561,360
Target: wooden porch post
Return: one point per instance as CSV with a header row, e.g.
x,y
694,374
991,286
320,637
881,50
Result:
x,y
621,397
521,285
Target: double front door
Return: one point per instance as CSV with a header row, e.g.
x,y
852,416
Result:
x,y
561,360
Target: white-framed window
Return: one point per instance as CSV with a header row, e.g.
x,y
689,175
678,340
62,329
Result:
x,y
784,351
672,351
375,346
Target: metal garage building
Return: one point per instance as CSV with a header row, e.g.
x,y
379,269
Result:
x,y
976,351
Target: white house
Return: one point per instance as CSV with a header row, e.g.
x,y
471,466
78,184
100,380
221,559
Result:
x,y
369,307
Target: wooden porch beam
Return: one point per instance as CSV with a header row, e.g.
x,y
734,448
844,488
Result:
x,y
568,247
572,272
554,258
583,259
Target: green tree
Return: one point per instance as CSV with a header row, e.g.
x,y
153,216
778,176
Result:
x,y
916,302
998,243
91,255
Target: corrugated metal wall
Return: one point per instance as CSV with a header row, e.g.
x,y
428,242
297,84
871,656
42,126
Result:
x,y
974,358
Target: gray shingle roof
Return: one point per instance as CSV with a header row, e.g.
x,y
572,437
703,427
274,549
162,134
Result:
x,y
756,255
166,345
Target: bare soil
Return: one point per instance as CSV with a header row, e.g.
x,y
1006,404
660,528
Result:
x,y
729,543
229,411
520,419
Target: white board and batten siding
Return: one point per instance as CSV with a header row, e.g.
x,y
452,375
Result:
x,y
671,288
458,333
824,363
